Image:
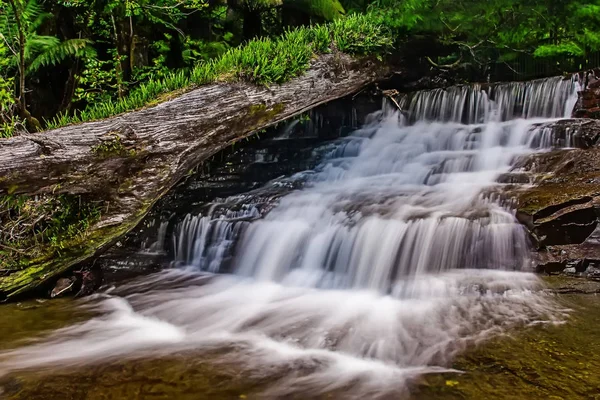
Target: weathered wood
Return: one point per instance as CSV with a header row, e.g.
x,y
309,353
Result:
x,y
155,148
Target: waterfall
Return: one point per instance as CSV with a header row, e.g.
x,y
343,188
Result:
x,y
397,198
379,265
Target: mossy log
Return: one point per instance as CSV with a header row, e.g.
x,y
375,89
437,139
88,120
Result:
x,y
127,162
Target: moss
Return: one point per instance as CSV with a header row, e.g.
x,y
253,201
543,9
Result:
x,y
543,196
177,376
260,114
541,362
125,185
164,97
12,189
112,146
562,176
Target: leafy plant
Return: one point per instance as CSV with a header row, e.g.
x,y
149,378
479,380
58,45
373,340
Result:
x,y
29,51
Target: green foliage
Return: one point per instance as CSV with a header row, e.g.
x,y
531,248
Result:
x,y
131,54
38,50
479,34
553,50
97,82
327,10
33,225
8,121
52,51
361,34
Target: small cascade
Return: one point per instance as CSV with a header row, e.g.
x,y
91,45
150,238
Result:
x,y
206,241
158,244
470,104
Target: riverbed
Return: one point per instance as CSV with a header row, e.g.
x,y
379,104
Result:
x,y
544,361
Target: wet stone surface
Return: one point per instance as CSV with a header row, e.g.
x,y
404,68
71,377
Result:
x,y
540,362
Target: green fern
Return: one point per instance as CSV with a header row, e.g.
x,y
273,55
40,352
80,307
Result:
x,y
56,52
38,50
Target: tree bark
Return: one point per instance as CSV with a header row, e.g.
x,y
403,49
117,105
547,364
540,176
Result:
x,y
160,145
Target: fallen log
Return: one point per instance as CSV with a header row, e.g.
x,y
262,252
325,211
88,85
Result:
x,y
126,163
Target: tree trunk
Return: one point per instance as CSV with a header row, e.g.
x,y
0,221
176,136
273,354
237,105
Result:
x,y
252,26
122,37
21,61
157,147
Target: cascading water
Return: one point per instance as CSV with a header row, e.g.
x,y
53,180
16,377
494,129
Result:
x,y
395,199
380,264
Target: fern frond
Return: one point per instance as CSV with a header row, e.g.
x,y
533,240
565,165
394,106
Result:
x,y
7,22
58,52
31,12
37,44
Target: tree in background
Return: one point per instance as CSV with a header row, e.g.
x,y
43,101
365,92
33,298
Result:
x,y
293,13
479,34
28,51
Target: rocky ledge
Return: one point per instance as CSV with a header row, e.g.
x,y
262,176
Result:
x,y
561,206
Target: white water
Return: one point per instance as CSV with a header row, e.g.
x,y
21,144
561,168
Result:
x,y
382,267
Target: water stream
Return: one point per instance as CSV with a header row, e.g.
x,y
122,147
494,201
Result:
x,y
380,264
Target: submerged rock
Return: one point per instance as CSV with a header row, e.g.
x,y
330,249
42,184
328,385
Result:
x,y
81,283
90,281
63,286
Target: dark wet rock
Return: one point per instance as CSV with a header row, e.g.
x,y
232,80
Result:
x,y
584,257
568,225
514,177
593,272
81,283
579,133
552,267
588,104
89,281
562,206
